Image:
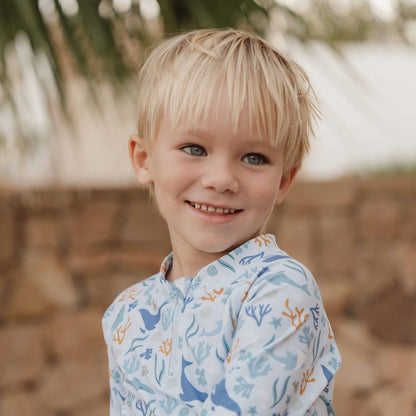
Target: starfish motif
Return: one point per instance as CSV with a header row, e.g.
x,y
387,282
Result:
x,y
276,322
252,411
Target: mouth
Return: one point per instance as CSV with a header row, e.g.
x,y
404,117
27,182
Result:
x,y
213,209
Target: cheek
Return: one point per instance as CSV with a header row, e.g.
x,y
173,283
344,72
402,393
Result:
x,y
172,180
264,191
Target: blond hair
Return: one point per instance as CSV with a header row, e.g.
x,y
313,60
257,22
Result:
x,y
183,75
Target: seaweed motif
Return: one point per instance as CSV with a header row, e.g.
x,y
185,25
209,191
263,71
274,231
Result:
x,y
257,367
202,352
159,374
201,379
130,366
243,387
307,336
168,404
167,318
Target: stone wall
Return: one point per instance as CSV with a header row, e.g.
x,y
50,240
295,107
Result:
x,y
64,256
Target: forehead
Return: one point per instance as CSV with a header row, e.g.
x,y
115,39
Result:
x,y
221,110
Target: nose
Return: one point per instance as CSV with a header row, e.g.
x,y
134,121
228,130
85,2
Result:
x,y
221,176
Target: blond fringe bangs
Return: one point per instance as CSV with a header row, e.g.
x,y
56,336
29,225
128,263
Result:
x,y
186,75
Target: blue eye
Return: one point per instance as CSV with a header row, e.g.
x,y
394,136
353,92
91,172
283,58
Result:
x,y
194,150
255,159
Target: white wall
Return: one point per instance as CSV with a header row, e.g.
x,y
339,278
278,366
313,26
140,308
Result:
x,y
368,100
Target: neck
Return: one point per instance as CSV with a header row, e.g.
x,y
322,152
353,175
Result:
x,y
186,264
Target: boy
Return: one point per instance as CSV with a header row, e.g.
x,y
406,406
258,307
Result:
x,y
231,325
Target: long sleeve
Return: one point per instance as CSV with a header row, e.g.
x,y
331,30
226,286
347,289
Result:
x,y
283,357
247,336
118,395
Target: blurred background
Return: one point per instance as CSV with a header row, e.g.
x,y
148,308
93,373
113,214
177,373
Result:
x,y
76,229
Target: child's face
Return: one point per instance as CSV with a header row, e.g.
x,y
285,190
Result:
x,y
209,167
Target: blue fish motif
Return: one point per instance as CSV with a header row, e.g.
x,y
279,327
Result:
x,y
281,278
190,393
150,320
220,397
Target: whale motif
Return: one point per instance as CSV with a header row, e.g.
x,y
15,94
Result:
x,y
281,278
220,397
190,393
150,320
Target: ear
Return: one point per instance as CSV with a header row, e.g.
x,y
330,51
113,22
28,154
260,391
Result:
x,y
140,158
285,183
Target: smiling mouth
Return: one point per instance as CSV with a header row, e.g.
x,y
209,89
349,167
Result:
x,y
211,209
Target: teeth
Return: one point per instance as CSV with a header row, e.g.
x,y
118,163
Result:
x,y
209,208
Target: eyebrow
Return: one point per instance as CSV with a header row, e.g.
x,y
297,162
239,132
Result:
x,y
252,142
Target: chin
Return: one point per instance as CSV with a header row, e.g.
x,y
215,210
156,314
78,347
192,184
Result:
x,y
218,246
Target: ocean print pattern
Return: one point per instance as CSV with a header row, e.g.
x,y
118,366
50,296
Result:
x,y
247,336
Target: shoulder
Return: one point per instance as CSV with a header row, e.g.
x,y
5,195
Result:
x,y
279,273
126,300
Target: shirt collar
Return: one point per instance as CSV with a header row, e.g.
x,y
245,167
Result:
x,y
228,267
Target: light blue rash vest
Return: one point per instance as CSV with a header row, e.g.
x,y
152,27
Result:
x,y
248,335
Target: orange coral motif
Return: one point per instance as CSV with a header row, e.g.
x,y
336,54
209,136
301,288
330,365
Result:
x,y
166,347
297,315
330,333
164,266
265,238
130,293
212,297
121,332
232,351
306,378
246,293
